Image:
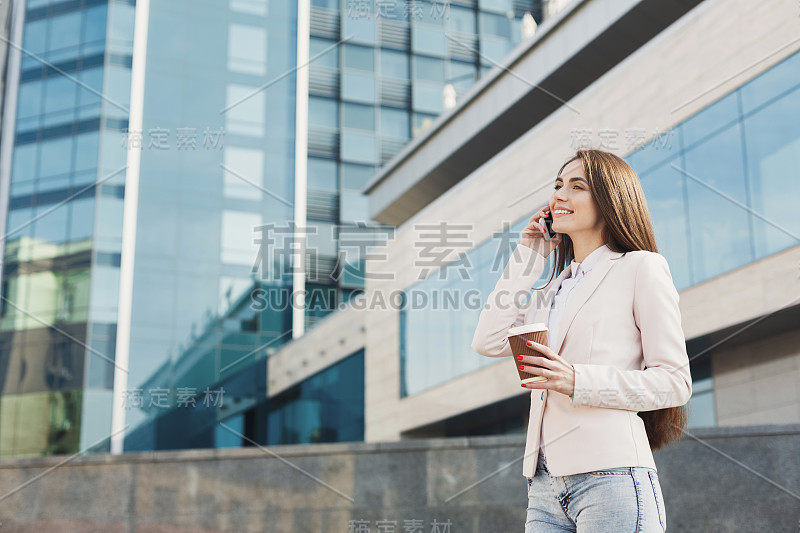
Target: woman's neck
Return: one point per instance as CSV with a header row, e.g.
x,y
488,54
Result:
x,y
583,245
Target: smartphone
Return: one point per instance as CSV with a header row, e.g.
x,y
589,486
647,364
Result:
x,y
547,222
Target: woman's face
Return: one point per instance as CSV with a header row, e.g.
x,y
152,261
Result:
x,y
573,208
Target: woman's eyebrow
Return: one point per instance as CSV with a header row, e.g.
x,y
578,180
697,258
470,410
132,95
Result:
x,y
574,179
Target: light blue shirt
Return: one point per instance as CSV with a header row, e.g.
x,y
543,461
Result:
x,y
577,271
568,284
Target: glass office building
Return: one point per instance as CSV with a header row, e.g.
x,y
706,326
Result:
x,y
215,143
719,190
381,73
62,241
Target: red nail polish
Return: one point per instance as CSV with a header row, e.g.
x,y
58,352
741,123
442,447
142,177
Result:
x,y
519,358
521,367
522,385
528,343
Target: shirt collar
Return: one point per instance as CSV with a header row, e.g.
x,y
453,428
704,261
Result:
x,y
587,263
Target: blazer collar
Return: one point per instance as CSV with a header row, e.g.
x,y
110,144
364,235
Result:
x,y
588,263
603,263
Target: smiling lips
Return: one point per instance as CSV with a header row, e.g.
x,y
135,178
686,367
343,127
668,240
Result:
x,y
561,212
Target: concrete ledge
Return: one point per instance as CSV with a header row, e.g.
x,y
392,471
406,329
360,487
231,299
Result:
x,y
475,483
328,449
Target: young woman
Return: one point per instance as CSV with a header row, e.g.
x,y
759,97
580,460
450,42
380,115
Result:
x,y
616,367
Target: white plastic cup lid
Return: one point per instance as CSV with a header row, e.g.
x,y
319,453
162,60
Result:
x,y
527,328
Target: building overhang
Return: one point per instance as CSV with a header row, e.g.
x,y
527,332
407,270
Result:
x,y
569,52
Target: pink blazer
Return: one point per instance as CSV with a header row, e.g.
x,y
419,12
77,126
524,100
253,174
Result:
x,y
621,330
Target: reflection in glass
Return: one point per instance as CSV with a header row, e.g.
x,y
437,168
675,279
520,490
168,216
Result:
x,y
720,234
773,156
328,407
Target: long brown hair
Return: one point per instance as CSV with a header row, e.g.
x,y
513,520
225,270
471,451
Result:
x,y
620,200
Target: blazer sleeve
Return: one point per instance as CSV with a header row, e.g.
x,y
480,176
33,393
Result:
x,y
506,306
666,380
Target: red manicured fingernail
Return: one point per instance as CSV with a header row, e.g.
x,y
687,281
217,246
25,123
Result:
x,y
521,367
528,343
519,358
522,385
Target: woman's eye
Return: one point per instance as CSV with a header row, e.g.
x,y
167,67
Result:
x,y
556,187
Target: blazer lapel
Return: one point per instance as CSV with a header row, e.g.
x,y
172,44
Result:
x,y
579,295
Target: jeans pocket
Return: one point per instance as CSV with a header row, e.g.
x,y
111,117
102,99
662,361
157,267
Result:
x,y
662,512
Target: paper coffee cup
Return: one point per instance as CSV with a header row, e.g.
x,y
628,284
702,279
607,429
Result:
x,y
517,337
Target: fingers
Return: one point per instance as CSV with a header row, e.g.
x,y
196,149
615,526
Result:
x,y
533,224
533,360
530,369
543,349
534,220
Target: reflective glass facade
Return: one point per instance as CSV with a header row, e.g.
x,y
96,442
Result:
x,y
217,161
61,253
327,407
217,165
379,76
721,195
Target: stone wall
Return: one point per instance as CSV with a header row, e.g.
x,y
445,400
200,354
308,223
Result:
x,y
715,479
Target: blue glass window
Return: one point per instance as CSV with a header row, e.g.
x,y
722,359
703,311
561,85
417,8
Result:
x,y
353,207
497,25
64,33
56,157
330,58
664,188
499,6
356,176
34,38
772,146
86,151
359,148
428,97
359,87
395,123
360,117
327,407
30,99
462,75
462,19
322,174
323,112
359,57
430,41
24,162
81,223
394,64
51,227
94,23
428,68
59,100
720,235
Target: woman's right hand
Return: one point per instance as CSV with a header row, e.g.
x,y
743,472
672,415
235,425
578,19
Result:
x,y
532,235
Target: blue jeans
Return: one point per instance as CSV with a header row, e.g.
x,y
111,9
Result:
x,y
622,500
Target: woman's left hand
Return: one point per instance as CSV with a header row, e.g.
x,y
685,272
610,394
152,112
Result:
x,y
559,373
